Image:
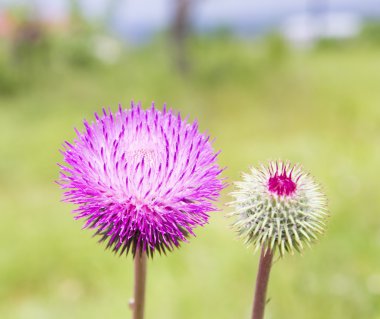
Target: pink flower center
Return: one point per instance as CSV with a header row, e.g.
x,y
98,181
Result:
x,y
282,184
142,150
147,154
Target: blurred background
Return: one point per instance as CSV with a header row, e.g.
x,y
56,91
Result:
x,y
295,79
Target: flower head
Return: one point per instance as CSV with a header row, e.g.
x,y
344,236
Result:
x,y
143,179
279,206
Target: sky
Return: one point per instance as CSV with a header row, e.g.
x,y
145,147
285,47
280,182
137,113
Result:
x,y
138,17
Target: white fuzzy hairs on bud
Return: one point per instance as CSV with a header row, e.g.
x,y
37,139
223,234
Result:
x,y
279,206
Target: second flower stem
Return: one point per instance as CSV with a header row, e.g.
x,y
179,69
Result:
x,y
262,279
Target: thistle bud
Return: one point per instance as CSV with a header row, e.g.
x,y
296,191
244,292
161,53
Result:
x,y
279,206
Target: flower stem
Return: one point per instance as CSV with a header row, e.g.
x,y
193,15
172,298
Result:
x,y
262,283
139,289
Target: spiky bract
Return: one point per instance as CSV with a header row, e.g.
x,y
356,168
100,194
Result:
x,y
279,206
143,179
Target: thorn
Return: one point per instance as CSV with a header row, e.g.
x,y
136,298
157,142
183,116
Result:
x,y
131,303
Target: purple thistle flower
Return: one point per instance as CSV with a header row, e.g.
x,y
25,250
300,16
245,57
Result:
x,y
143,179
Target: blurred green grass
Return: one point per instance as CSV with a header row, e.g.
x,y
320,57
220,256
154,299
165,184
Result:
x,y
320,108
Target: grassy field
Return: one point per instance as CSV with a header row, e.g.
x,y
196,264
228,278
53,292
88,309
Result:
x,y
260,102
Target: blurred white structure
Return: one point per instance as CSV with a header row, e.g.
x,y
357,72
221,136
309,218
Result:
x,y
107,49
303,30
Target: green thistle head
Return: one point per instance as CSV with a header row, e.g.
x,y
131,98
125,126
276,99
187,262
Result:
x,y
279,206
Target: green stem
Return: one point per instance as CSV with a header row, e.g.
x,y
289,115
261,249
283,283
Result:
x,y
262,283
139,289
